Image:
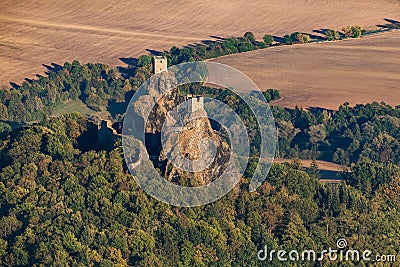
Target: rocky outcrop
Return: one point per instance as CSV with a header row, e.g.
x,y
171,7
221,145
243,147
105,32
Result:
x,y
194,154
204,151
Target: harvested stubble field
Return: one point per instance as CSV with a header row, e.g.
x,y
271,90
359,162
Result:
x,y
39,32
325,75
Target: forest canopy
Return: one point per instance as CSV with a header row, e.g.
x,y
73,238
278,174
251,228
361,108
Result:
x,y
68,200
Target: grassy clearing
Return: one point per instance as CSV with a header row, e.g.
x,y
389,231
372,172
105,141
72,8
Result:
x,y
79,107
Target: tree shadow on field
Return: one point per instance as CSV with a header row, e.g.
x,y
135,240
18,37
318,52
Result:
x,y
53,67
218,37
131,61
191,45
154,52
392,24
319,31
207,42
128,71
278,39
323,32
317,37
392,21
15,85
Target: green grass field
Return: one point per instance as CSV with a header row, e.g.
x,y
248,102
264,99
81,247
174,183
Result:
x,y
77,106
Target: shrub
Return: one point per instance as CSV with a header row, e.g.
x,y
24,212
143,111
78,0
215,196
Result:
x,y
271,94
356,31
268,39
245,46
304,38
332,35
287,39
297,38
144,60
249,36
352,31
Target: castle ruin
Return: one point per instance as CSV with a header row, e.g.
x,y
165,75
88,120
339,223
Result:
x,y
195,103
107,134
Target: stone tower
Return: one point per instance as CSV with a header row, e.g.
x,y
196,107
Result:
x,y
159,64
196,104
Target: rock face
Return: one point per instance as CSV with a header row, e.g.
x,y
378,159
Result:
x,y
206,152
192,155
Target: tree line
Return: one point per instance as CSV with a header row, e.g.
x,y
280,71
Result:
x,y
99,86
